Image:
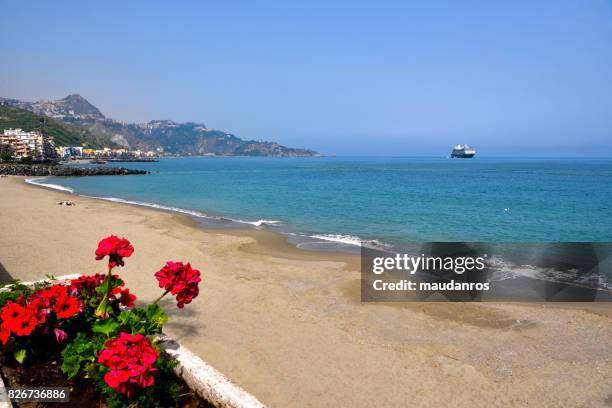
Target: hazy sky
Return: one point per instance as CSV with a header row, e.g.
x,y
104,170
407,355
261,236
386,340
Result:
x,y
347,77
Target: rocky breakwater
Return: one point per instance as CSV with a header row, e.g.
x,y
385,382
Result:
x,y
64,171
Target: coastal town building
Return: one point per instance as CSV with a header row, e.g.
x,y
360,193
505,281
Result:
x,y
26,144
69,151
18,143
76,152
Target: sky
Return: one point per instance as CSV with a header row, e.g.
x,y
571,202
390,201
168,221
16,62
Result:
x,y
382,77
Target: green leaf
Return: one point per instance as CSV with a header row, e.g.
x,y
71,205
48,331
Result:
x,y
80,354
156,315
20,355
127,317
71,365
81,347
105,327
113,281
101,288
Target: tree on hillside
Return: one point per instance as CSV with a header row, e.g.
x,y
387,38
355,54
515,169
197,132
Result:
x,y
6,152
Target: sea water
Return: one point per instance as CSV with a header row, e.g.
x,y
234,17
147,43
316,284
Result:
x,y
386,200
338,203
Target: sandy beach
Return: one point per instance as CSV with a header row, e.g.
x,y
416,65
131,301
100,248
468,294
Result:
x,y
289,327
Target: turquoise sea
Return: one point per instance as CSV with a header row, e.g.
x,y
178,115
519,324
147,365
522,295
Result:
x,y
386,200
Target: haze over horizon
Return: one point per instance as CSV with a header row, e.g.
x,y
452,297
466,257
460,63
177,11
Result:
x,y
529,78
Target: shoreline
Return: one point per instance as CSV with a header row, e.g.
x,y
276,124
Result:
x,y
328,243
315,242
264,304
266,241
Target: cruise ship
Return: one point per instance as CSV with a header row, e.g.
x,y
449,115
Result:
x,y
463,151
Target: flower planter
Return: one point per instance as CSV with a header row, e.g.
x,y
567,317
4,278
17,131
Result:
x,y
204,380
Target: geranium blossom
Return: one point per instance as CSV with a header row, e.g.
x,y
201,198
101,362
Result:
x,y
66,306
58,299
5,334
115,248
129,369
25,322
126,298
130,359
21,320
23,316
86,284
11,311
49,295
181,280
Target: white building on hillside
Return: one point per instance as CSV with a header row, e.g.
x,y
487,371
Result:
x,y
25,143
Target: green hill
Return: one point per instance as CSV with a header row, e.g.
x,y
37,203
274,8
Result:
x,y
64,134
78,122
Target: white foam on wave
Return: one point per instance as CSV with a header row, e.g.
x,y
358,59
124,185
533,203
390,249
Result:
x,y
344,239
39,182
337,238
351,240
260,223
153,205
193,213
503,270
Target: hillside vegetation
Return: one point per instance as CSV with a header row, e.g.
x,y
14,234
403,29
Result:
x,y
75,121
64,134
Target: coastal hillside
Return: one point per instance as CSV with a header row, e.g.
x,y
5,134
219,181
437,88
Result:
x,y
164,136
72,107
65,134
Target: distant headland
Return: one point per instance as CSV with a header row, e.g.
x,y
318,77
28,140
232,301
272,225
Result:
x,y
73,121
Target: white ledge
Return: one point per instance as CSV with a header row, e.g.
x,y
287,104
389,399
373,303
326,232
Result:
x,y
64,280
205,380
4,404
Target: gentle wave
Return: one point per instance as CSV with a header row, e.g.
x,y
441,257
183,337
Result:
x,y
153,205
193,213
38,182
259,223
352,240
344,239
199,214
504,270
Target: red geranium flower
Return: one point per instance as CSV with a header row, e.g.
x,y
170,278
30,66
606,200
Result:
x,y
115,378
130,359
38,308
86,284
127,299
21,320
116,248
181,280
48,295
186,295
66,306
11,311
22,317
57,299
25,323
5,334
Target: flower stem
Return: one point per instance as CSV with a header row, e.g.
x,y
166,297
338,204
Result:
x,y
101,310
160,298
108,283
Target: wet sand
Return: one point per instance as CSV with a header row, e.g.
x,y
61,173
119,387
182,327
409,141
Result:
x,y
288,325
